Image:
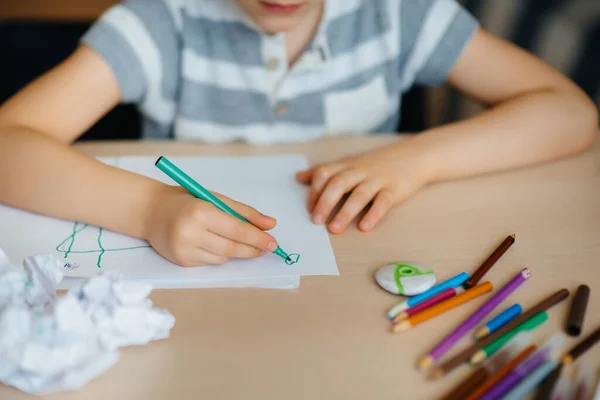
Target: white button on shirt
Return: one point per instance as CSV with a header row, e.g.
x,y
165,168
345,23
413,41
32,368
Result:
x,y
281,108
272,64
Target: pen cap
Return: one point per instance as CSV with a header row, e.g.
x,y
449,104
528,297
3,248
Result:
x,y
577,311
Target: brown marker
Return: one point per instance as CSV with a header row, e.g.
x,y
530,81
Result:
x,y
469,385
489,262
590,341
546,387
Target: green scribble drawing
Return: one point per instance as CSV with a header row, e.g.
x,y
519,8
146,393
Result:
x,y
102,251
66,246
78,228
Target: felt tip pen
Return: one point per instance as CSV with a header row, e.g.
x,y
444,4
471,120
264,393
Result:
x,y
498,321
200,192
548,352
531,381
453,282
494,346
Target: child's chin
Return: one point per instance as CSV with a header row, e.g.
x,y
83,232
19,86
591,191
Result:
x,y
276,25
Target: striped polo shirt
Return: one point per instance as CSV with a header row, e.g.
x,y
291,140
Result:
x,y
202,70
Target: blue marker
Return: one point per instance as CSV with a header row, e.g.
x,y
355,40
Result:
x,y
498,321
413,301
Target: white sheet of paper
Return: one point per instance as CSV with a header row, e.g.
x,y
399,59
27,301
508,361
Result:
x,y
266,183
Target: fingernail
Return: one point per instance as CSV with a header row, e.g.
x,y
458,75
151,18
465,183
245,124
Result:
x,y
366,225
336,225
272,246
318,219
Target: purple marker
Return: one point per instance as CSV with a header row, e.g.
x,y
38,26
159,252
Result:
x,y
474,319
547,352
516,376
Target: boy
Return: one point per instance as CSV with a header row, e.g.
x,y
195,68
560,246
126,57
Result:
x,y
268,71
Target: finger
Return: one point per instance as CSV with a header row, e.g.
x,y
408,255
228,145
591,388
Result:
x,y
234,229
337,187
231,249
306,176
320,178
254,216
358,200
197,257
383,202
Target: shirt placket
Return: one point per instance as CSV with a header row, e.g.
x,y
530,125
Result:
x,y
275,62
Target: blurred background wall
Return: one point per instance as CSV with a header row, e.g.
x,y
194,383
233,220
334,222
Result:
x,y
564,33
35,35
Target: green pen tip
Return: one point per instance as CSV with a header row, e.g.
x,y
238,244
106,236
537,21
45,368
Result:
x,y
292,259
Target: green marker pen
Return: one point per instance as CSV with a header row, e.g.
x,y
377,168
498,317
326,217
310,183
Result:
x,y
200,192
493,347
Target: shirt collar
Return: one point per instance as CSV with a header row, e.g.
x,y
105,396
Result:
x,y
319,42
316,55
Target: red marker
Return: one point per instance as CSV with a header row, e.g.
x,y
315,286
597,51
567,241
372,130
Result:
x,y
443,295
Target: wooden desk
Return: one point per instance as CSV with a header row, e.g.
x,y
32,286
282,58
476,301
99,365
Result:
x,y
329,339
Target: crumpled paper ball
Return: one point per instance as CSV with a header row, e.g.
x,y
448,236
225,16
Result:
x,y
51,343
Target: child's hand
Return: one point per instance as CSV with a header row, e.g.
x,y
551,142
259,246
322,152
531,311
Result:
x,y
385,177
191,232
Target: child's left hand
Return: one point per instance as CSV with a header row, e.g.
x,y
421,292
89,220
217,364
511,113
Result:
x,y
384,176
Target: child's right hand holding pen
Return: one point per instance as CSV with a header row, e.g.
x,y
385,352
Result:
x,y
193,232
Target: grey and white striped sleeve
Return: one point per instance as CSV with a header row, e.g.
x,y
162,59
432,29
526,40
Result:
x,y
139,41
433,34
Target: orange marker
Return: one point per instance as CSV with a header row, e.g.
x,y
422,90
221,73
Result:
x,y
444,306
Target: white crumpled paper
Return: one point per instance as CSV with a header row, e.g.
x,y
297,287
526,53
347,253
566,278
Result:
x,y
50,343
